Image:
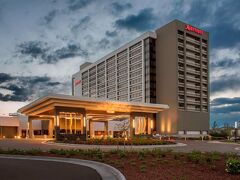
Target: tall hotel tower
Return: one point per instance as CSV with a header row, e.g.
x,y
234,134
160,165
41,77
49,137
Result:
x,y
168,66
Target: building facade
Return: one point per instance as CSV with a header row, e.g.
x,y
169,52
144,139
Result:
x,y
168,66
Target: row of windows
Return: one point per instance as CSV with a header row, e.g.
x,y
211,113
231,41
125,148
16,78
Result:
x,y
109,67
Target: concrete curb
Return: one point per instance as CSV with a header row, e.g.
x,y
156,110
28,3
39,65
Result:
x,y
88,146
106,171
219,142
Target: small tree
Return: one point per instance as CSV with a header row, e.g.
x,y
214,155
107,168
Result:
x,y
123,126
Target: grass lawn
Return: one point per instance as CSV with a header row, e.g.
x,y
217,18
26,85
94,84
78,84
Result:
x,y
151,164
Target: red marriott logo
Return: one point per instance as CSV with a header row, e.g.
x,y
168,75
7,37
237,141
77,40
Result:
x,y
193,29
77,82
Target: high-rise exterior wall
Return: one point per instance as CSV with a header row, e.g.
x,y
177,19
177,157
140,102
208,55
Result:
x,y
182,78
168,66
125,75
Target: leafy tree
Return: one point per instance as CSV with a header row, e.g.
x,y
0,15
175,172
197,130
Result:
x,y
123,126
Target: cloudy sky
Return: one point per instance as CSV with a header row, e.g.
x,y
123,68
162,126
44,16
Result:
x,y
43,42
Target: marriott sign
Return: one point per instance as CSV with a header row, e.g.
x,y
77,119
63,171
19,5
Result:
x,y
193,29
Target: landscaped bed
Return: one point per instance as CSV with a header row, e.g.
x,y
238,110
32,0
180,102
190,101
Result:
x,y
120,141
156,163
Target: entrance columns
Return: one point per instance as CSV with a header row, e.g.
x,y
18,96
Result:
x,y
90,128
149,123
106,128
30,127
50,128
56,124
84,123
132,125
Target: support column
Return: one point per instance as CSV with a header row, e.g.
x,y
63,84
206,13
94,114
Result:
x,y
150,123
106,128
30,128
84,123
132,125
70,124
56,125
50,128
90,128
75,124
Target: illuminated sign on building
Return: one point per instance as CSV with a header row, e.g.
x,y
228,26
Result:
x,y
77,82
193,29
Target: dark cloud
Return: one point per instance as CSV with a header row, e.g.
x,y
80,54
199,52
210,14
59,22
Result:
x,y
226,109
111,33
144,20
226,63
75,5
50,16
5,77
104,43
41,53
25,88
34,49
225,83
223,35
69,51
117,8
81,25
225,101
224,17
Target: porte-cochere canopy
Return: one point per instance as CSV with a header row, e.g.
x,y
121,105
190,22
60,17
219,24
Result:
x,y
71,114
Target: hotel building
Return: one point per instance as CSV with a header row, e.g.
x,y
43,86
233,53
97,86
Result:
x,y
157,82
168,66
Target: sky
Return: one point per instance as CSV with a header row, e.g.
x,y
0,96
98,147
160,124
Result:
x,y
43,42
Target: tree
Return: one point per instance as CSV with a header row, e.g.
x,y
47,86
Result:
x,y
123,126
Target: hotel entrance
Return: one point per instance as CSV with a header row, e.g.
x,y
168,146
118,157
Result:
x,y
71,123
73,117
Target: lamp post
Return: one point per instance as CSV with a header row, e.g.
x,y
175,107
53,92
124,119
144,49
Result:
x,y
235,131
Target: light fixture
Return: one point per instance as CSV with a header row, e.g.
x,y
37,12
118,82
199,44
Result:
x,y
84,121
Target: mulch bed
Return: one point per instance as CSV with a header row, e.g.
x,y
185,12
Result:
x,y
163,168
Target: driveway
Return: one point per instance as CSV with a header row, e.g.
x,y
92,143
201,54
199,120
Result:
x,y
190,145
19,169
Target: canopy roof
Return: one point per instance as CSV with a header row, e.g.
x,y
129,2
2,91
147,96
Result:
x,y
47,104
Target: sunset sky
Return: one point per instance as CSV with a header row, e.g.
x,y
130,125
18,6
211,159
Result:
x,y
43,42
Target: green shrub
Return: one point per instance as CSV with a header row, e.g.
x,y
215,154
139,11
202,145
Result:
x,y
33,151
233,166
141,155
196,157
121,141
230,155
157,152
133,163
176,155
53,151
122,154
142,168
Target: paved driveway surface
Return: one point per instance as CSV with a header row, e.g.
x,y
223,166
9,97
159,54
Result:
x,y
20,169
191,145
